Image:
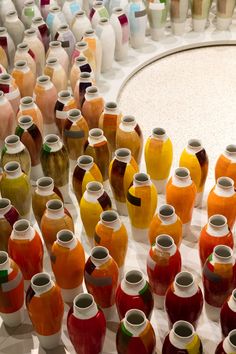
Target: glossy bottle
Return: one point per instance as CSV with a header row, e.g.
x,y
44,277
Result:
x,y
15,185
121,172
68,261
222,200
80,65
181,194
86,325
163,264
8,216
228,345
158,158
101,278
65,102
45,308
135,334
167,222
11,90
97,147
57,73
219,280
92,107
11,292
184,300
26,249
55,218
195,159
7,119
228,314
215,232
85,80
110,232
24,78
226,163
182,339
129,136
141,204
29,108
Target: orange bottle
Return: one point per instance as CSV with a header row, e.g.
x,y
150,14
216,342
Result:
x,y
65,102
226,163
29,108
92,107
24,78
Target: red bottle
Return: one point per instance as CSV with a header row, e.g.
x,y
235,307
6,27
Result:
x,y
163,263
228,345
184,300
219,279
86,325
134,292
228,314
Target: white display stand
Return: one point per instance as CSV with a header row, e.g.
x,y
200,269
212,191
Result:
x,y
22,339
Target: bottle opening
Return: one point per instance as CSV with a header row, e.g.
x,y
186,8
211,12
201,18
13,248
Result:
x,y
51,139
37,19
141,177
159,131
55,44
2,30
63,27
91,90
74,113
109,216
231,148
117,10
83,301
25,120
234,294
4,203
194,143
99,253
223,251
22,46
183,329
3,257
182,172
232,338
165,241
98,3
54,204
20,63
12,139
80,59
94,187
217,220
128,119
30,31
166,210
111,105
122,152
103,20
184,279
80,13
135,317
43,79
29,3
85,75
96,133
81,44
44,182
41,280
55,9
5,77
12,166
64,94
65,235
27,100
89,32
21,225
85,160
225,182
11,13
52,61
134,276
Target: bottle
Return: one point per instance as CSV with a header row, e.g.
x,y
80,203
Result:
x,y
56,50
228,314
120,24
42,30
14,27
7,119
55,19
80,65
67,38
80,24
8,216
106,34
92,107
97,12
65,102
137,16
23,52
8,45
57,73
226,163
29,108
95,46
29,11
228,345
84,81
37,47
24,78
11,91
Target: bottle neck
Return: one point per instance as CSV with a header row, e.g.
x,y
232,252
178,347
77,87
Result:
x,y
55,214
224,192
181,182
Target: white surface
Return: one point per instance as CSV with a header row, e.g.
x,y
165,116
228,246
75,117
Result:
x,y
191,95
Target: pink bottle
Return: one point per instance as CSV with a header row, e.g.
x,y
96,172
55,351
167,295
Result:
x,y
56,50
11,90
7,118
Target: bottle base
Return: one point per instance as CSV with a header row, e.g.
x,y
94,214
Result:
x,y
49,342
159,301
199,25
212,312
222,24
13,319
178,28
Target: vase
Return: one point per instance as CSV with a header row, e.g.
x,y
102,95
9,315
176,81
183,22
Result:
x,y
8,45
135,334
129,135
56,50
215,232
55,218
26,249
92,107
181,194
55,163
97,12
93,202
184,300
14,27
121,172
85,171
45,96
163,264
31,137
86,325
101,275
110,232
195,159
158,158
134,292
43,31
157,16
80,66
11,91
97,147
55,19
5,7
80,24
200,13
141,202
11,292
44,191
106,34
65,102
57,74
75,134
29,11
37,47
95,46
224,13
45,308
70,9
8,216
137,16
15,150
166,221
68,262
24,78
178,16
23,52
84,81
15,185
7,118
219,280
182,339
120,24
109,122
82,49
226,163
228,345
228,315
222,200
29,108
67,39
